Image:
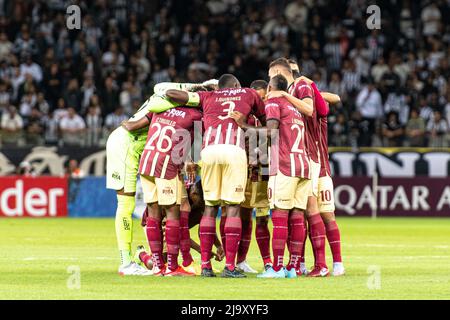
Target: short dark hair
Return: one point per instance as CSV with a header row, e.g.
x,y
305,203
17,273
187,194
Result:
x,y
281,62
228,80
259,84
279,82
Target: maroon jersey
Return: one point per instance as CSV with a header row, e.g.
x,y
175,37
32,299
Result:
x,y
216,105
288,154
168,142
323,148
302,90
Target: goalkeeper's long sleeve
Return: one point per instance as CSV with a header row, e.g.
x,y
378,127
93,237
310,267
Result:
x,y
162,87
155,104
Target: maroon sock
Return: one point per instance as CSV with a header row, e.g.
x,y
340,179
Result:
x,y
207,236
263,239
296,227
145,258
233,229
223,220
173,243
305,236
246,238
185,238
334,239
317,236
279,237
153,229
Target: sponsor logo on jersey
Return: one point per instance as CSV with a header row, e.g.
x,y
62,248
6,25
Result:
x,y
231,92
175,113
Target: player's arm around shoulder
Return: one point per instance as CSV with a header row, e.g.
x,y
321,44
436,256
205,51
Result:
x,y
136,125
190,99
305,105
331,98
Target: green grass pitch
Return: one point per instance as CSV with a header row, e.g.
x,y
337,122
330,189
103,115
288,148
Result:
x,y
386,258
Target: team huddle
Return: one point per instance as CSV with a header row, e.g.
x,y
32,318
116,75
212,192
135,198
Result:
x,y
263,149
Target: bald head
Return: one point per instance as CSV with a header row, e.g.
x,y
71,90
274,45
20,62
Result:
x,y
228,81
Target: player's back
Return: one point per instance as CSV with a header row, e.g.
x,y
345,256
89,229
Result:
x,y
163,153
216,105
288,154
303,90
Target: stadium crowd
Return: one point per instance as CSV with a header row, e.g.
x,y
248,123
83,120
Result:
x,y
73,87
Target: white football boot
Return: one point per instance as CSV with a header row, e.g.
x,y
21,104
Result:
x,y
133,269
338,269
245,267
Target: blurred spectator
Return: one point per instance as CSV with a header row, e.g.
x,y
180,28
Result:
x,y
24,44
51,134
109,96
415,129
5,97
72,95
93,126
396,101
11,125
42,104
32,68
392,130
296,13
113,120
437,129
339,131
34,127
369,104
431,18
74,171
5,46
71,127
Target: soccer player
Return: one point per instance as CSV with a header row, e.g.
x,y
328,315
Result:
x,y
289,185
255,198
224,163
165,152
303,91
123,150
325,197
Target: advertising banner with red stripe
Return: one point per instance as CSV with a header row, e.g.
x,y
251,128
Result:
x,y
420,196
33,196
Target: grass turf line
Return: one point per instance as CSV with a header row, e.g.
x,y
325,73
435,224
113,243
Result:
x,y
412,255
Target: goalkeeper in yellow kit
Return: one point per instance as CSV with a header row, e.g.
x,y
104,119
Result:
x,y
123,150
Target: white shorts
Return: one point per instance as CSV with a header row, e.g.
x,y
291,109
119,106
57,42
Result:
x,y
288,192
314,169
164,191
325,198
122,161
223,174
